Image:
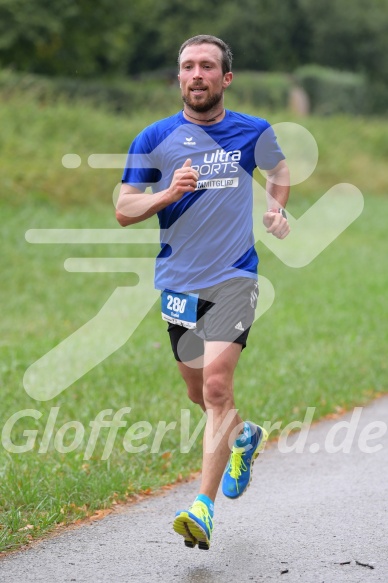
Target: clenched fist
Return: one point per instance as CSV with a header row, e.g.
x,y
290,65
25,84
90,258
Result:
x,y
184,180
276,224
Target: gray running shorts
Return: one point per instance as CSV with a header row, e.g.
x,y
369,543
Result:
x,y
225,313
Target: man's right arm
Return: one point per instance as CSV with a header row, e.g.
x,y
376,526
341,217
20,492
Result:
x,y
134,206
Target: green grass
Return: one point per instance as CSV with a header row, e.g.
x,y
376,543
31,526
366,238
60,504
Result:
x,y
322,344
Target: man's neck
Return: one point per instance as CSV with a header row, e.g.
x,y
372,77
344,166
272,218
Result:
x,y
205,118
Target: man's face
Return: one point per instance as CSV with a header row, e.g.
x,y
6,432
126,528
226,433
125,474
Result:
x,y
201,78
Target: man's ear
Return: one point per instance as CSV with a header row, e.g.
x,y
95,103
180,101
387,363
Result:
x,y
228,77
179,79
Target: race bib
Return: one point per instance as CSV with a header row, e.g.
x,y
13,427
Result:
x,y
180,308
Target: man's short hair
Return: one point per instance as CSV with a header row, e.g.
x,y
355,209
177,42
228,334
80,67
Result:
x,y
226,59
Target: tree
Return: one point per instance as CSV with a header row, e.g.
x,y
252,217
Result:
x,y
67,37
350,35
89,38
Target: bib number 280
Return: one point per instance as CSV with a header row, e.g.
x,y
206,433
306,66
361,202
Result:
x,y
180,308
176,304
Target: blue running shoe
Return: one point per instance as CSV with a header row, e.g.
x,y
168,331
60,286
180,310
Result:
x,y
195,525
238,473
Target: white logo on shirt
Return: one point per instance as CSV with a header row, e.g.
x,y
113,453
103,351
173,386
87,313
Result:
x,y
189,142
219,162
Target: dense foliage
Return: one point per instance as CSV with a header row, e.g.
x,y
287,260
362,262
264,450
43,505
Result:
x,y
85,38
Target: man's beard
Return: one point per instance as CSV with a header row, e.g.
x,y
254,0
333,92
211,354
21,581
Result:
x,y
207,105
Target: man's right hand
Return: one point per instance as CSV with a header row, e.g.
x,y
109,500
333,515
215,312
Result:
x,y
134,206
184,180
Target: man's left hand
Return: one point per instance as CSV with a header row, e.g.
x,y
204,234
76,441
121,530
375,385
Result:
x,y
276,224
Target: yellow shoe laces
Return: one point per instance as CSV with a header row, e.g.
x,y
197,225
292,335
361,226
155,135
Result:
x,y
201,511
237,464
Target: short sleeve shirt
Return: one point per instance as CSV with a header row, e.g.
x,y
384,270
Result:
x,y
207,236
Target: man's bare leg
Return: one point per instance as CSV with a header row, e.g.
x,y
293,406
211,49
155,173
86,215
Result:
x,y
220,361
211,388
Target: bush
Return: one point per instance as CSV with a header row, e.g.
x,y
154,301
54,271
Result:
x,y
329,91
116,95
269,90
377,98
332,91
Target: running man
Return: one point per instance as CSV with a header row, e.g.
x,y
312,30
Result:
x,y
199,164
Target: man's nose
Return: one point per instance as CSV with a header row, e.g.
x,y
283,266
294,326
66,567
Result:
x,y
197,73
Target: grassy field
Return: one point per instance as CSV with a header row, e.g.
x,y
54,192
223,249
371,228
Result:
x,y
322,344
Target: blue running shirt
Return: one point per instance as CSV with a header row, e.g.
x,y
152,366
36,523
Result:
x,y
206,237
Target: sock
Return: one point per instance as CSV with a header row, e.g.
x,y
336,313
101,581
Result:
x,y
245,437
206,500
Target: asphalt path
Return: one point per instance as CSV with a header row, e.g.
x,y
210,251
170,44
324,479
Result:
x,y
314,516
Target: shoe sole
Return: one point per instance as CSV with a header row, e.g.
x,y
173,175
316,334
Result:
x,y
191,531
255,455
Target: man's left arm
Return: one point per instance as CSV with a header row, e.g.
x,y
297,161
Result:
x,y
278,190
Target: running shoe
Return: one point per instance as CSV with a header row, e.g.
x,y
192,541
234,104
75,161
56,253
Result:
x,y
195,525
238,472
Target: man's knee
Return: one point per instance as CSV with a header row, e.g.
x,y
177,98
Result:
x,y
218,391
